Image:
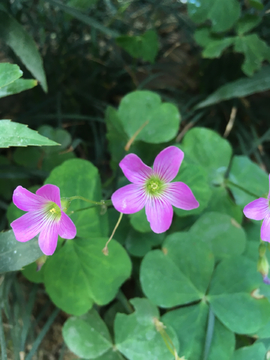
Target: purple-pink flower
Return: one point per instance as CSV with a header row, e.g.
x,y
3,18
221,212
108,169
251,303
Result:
x,y
259,209
152,188
44,217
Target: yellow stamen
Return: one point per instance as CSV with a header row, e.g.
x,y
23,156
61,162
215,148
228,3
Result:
x,y
53,211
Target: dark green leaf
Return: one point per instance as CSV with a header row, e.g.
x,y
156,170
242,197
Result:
x,y
23,45
240,88
17,86
14,254
15,134
9,73
222,13
144,46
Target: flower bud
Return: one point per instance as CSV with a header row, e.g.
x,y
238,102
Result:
x,y
262,249
263,266
41,261
65,203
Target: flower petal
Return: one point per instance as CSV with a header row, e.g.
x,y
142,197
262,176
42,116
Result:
x,y
181,196
25,200
27,226
257,209
50,192
67,229
48,237
265,229
167,163
129,199
159,213
134,169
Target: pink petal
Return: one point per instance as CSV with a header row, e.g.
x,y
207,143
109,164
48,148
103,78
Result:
x,y
27,226
67,229
257,209
48,237
25,200
129,199
167,163
265,229
159,213
50,192
134,169
181,196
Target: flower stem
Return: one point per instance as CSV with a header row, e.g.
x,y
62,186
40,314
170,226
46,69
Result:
x,y
241,188
105,249
102,202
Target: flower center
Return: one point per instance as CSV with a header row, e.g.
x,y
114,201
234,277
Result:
x,y
53,211
154,186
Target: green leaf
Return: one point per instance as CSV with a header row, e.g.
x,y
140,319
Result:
x,y
46,158
30,273
247,175
198,145
168,278
140,222
139,244
15,134
222,202
88,20
235,298
82,4
9,73
257,4
144,46
116,136
80,274
23,45
14,254
87,336
144,117
80,177
196,177
222,13
247,23
17,87
215,48
136,336
192,320
255,51
221,232
239,88
162,280
256,351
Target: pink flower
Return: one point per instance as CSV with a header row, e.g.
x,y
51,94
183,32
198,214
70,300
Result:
x,y
152,188
44,217
259,209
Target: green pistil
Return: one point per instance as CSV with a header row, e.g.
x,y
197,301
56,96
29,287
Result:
x,y
53,211
154,186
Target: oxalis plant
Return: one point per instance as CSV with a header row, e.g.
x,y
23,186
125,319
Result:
x,y
177,227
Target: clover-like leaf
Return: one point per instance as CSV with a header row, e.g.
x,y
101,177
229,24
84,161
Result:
x,y
169,279
235,296
93,277
136,335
